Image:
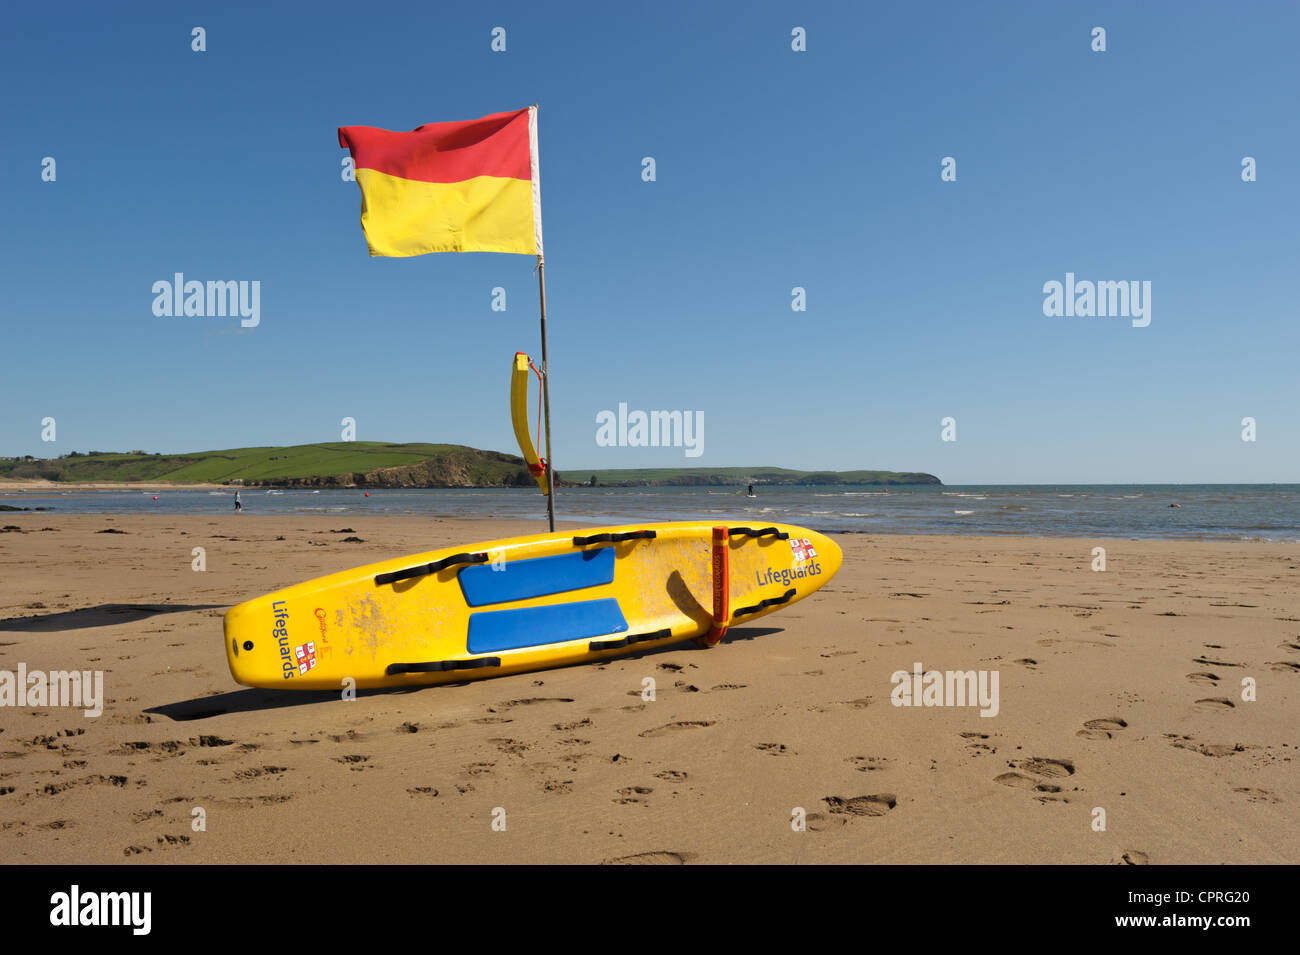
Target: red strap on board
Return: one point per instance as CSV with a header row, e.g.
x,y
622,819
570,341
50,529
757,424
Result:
x,y
721,589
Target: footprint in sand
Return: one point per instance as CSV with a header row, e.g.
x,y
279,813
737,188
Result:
x,y
1033,776
53,742
567,727
1205,749
1216,703
1133,857
265,771
977,743
1206,662
629,794
274,800
651,858
820,822
54,789
1204,679
1290,646
876,804
861,704
529,701
1257,795
774,749
867,764
1283,667
1046,767
1019,781
673,727
1102,728
354,762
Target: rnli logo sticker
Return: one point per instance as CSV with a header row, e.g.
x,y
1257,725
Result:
x,y
801,549
306,656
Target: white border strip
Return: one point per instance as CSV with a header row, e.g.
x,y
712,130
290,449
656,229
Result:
x,y
537,179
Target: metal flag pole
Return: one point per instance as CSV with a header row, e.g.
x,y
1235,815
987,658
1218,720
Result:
x,y
546,400
541,290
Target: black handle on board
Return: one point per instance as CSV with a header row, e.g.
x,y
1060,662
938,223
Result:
x,y
433,568
437,666
614,538
596,645
764,604
761,532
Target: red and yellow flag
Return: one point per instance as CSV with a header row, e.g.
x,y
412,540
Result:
x,y
450,187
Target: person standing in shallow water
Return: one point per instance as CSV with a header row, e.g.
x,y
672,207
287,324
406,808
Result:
x,y
238,504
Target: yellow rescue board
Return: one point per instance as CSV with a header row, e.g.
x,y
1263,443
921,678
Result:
x,y
525,603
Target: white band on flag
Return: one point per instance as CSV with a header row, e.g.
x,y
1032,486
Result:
x,y
537,178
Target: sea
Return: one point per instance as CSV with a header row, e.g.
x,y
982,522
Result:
x,y
1238,512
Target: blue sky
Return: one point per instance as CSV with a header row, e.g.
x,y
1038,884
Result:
x,y
775,169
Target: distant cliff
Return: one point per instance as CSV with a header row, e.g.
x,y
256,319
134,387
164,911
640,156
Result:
x,y
731,477
379,464
336,464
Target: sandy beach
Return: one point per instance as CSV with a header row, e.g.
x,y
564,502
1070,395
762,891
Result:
x,y
1119,691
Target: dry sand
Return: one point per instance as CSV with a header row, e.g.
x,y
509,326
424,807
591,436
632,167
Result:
x,y
1119,690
